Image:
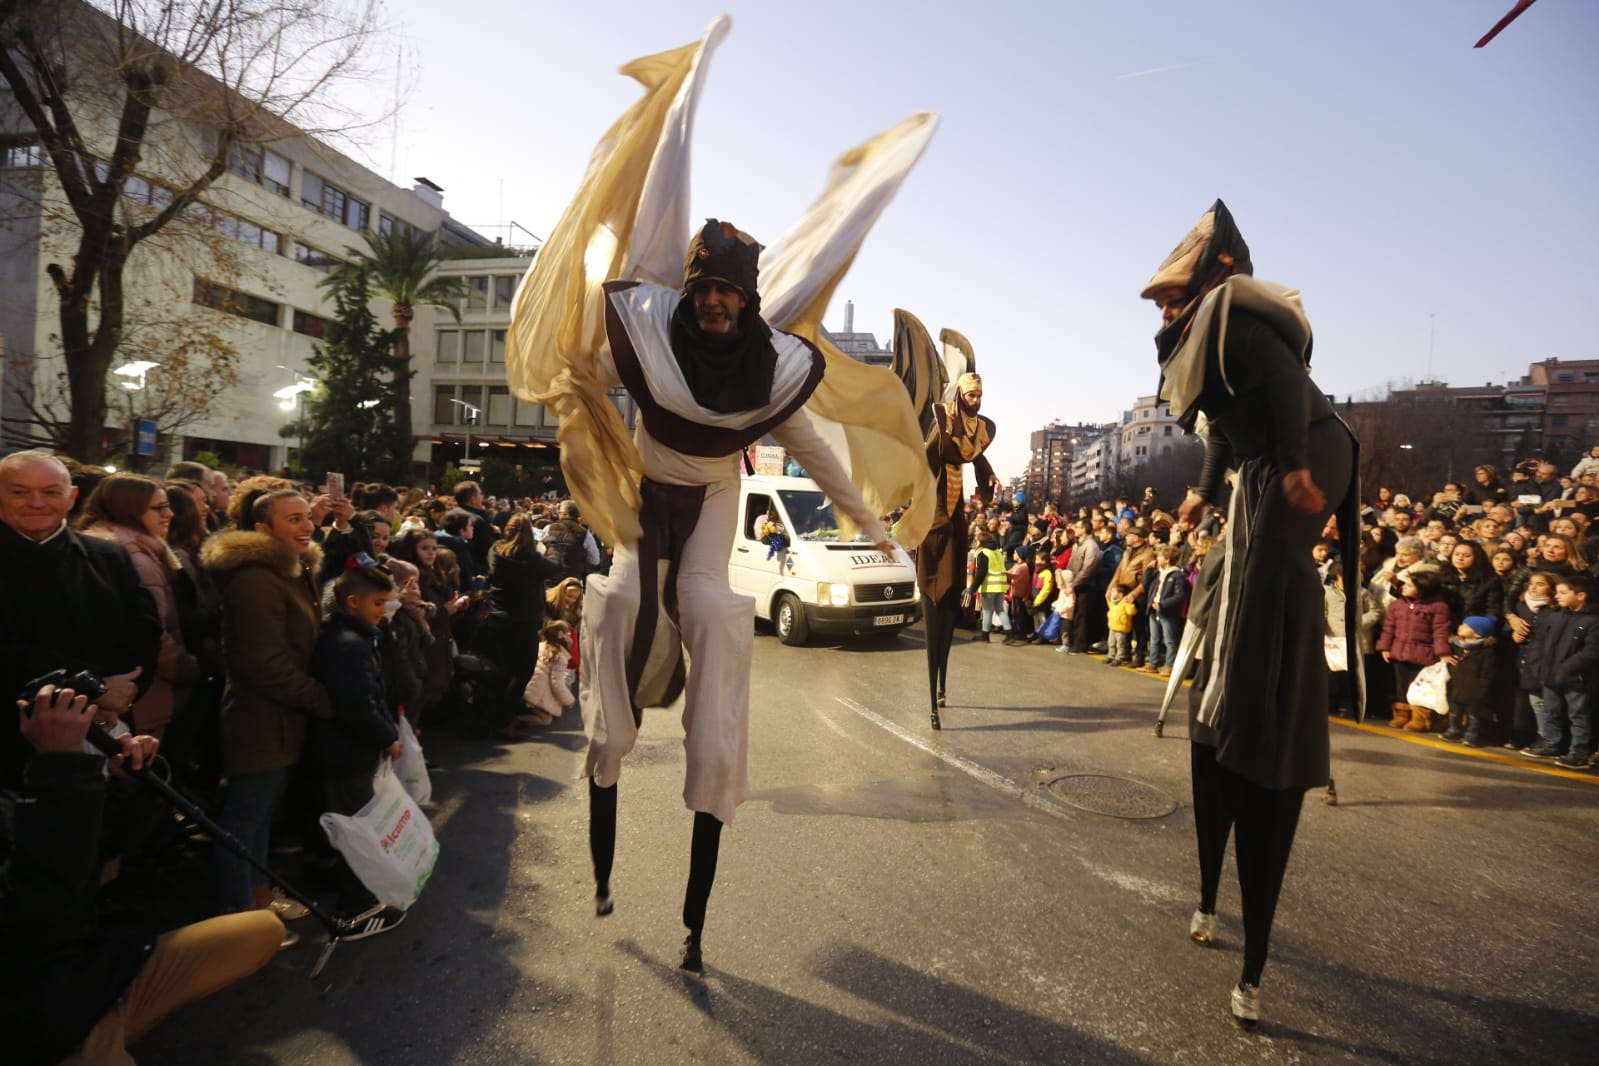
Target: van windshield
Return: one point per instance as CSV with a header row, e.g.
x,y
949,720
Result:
x,y
811,513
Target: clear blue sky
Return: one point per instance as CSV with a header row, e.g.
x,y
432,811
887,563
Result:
x,y
1371,156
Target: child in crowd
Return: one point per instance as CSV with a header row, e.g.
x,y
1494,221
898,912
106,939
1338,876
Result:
x,y
1415,634
1471,663
1120,616
1168,597
351,745
1043,590
1522,623
1322,553
1568,660
1019,596
549,692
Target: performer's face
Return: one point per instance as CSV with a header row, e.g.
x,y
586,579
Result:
x,y
717,306
1171,302
971,399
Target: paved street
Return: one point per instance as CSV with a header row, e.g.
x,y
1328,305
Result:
x,y
890,895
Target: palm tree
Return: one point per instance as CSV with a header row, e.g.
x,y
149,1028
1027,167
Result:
x,y
399,266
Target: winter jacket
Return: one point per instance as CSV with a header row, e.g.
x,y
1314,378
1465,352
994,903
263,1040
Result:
x,y
1110,558
1043,588
1472,677
1170,593
175,670
1084,561
1416,631
1568,648
549,689
271,619
1529,651
1480,596
1119,616
1130,570
1021,582
74,603
59,975
516,587
564,545
346,661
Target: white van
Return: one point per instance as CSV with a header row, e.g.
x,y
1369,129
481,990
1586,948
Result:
x,y
816,584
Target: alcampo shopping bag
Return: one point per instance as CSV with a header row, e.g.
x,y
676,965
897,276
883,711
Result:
x,y
1431,688
1050,630
411,767
388,843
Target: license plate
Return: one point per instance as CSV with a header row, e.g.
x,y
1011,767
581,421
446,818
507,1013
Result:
x,y
888,619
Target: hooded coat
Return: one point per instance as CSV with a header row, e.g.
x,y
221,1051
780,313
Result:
x,y
271,617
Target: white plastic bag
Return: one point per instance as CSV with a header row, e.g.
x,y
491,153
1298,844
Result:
x,y
388,843
411,768
1431,688
1337,651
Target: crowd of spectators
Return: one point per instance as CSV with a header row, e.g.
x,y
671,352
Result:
x,y
261,639
1491,579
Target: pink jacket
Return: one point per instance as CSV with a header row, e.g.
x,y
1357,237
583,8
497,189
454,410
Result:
x,y
176,669
1416,631
549,690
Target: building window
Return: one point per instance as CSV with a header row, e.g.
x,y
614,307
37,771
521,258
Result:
x,y
1566,376
222,298
527,414
499,412
504,291
254,163
477,293
497,346
1558,420
473,394
310,325
329,200
19,152
385,223
1166,432
443,410
473,351
311,257
449,350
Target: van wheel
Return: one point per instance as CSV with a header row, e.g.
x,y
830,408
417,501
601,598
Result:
x,y
790,619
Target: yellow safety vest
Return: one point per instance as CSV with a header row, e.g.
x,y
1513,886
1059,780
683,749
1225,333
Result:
x,y
996,579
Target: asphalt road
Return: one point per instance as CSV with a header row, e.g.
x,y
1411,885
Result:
x,y
891,895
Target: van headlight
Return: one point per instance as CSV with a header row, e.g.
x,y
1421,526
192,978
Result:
x,y
832,595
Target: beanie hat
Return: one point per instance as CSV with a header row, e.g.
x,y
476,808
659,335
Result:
x,y
1481,625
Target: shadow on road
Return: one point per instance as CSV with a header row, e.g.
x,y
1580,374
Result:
x,y
920,1018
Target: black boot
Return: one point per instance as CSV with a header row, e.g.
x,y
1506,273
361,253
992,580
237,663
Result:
x,y
692,961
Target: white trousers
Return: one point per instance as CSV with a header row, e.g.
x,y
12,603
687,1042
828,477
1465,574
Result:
x,y
717,630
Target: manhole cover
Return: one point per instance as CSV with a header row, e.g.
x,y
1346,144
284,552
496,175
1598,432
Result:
x,y
1110,795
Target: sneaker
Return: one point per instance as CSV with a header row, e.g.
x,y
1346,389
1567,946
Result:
x,y
1573,762
1541,751
1473,742
379,919
1246,1005
1202,927
285,908
290,938
1453,735
1063,649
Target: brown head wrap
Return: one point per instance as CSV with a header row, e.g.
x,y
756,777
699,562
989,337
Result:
x,y
721,251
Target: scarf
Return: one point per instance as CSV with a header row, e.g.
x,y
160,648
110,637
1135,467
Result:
x,y
725,374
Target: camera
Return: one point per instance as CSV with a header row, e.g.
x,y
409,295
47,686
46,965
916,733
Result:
x,y
83,682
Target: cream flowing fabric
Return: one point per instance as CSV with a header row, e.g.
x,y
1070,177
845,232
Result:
x,y
630,221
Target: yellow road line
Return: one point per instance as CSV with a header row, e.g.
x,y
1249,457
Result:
x,y
1476,753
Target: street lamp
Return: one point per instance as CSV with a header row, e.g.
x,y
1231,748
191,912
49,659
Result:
x,y
291,398
472,411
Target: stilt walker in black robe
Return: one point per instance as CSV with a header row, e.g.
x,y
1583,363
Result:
x,y
1234,356
958,435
